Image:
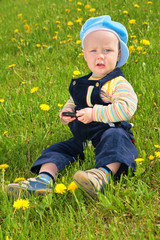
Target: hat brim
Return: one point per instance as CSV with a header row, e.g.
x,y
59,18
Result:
x,y
124,54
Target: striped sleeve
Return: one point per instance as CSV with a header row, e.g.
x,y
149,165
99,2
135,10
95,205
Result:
x,y
122,102
70,104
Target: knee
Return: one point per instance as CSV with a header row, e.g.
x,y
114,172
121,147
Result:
x,y
113,132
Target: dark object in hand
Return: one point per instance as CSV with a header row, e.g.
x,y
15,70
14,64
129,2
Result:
x,y
69,114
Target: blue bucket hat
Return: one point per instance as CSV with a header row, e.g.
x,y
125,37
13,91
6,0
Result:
x,y
105,23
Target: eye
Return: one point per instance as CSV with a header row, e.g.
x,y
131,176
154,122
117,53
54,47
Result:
x,y
106,50
93,50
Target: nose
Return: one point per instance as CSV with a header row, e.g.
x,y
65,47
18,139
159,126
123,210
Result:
x,y
100,56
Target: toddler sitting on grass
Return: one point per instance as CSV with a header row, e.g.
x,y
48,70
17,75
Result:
x,y
101,102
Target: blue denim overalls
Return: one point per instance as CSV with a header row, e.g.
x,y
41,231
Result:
x,y
112,142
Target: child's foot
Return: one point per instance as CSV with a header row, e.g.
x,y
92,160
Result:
x,y
92,180
38,185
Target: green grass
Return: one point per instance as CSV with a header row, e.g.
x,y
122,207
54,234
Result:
x,y
130,208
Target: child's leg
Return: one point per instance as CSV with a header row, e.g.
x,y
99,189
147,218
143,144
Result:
x,y
114,167
114,144
52,160
50,168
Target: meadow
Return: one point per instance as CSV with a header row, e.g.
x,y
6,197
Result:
x,y
40,52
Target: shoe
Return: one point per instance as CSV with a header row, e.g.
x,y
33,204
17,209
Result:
x,y
92,181
32,186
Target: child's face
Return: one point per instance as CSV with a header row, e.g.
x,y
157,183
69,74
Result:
x,y
101,52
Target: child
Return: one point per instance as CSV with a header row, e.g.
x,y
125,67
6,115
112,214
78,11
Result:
x,y
103,101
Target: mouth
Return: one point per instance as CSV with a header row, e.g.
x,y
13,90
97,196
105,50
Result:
x,y
100,65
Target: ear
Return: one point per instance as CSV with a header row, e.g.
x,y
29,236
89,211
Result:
x,y
84,54
119,54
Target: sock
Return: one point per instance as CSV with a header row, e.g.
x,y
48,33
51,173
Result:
x,y
46,176
107,171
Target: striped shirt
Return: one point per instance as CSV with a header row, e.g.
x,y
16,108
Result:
x,y
121,99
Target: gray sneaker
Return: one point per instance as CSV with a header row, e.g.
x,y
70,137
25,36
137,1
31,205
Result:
x,y
32,185
92,181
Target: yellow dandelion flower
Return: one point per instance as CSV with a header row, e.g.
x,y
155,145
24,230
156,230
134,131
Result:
x,y
1,100
157,146
45,107
4,133
145,42
12,65
38,45
132,21
76,72
4,166
58,22
19,16
157,154
35,89
24,21
13,39
78,42
19,179
72,187
154,104
45,46
151,157
149,2
69,40
7,238
145,23
131,49
125,12
133,36
79,20
55,37
87,6
136,6
60,105
36,25
139,159
21,203
70,23
139,48
79,9
79,3
47,68
26,26
60,188
92,10
45,28
53,4
63,42
67,10
16,30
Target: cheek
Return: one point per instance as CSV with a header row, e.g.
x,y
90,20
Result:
x,y
88,59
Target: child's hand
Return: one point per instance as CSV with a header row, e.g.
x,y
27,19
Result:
x,y
67,119
85,115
